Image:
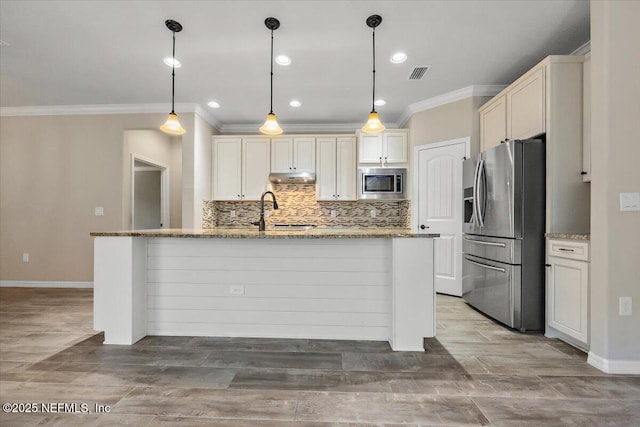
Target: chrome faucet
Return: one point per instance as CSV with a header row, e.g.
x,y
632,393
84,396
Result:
x,y
260,223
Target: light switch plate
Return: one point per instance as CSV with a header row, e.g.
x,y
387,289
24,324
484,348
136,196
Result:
x,y
373,213
333,213
625,306
25,257
99,211
629,202
232,214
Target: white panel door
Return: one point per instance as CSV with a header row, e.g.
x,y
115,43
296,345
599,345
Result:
x,y
304,154
395,144
440,211
255,167
281,155
325,168
346,169
227,164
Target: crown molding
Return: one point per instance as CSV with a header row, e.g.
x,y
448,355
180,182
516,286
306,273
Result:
x,y
448,98
583,50
298,127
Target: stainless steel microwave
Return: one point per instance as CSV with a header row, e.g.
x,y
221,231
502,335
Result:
x,y
382,183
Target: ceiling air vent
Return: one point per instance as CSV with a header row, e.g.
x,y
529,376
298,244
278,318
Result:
x,y
418,72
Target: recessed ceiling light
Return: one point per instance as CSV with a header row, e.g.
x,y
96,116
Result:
x,y
398,57
283,60
172,62
213,104
295,103
379,102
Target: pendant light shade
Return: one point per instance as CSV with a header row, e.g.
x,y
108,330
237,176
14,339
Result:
x,y
172,125
271,126
373,125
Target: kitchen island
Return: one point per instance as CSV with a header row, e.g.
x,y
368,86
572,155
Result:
x,y
340,283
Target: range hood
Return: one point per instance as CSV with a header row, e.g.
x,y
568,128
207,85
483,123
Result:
x,y
293,178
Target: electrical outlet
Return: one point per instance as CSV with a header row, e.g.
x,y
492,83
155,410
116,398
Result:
x,y
232,214
625,306
25,257
373,213
333,213
267,214
99,211
236,289
629,201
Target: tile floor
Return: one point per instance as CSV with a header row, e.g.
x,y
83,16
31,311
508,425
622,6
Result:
x,y
474,373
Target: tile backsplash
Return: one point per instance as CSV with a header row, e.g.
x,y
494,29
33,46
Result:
x,y
298,205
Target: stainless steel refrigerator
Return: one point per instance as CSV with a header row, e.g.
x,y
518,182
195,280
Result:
x,y
503,241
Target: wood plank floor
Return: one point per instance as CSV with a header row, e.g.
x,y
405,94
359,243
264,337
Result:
x,y
475,372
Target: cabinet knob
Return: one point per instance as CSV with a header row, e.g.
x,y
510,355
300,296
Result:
x,y
422,226
238,196
583,173
338,196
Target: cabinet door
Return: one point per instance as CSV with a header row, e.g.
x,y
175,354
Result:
x,y
346,169
227,161
568,297
255,167
586,119
525,114
281,155
395,147
493,123
370,148
325,168
304,154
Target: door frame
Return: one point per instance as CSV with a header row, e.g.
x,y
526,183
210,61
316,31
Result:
x,y
415,166
164,187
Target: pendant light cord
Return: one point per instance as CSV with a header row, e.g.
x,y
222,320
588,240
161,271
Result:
x,y
271,106
373,98
173,74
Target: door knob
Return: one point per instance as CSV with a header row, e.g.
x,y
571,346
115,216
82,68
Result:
x,y
422,226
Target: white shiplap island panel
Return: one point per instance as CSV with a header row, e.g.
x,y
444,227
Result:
x,y
378,288
292,288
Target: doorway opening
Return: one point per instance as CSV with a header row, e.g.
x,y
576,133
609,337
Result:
x,y
149,194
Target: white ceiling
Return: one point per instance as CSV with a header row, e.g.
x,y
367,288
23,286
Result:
x,y
111,52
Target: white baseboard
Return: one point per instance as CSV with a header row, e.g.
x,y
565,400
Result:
x,y
614,366
43,284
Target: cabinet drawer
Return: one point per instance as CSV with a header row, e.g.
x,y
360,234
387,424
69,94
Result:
x,y
568,249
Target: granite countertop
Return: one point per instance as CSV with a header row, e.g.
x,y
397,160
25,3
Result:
x,y
253,233
568,236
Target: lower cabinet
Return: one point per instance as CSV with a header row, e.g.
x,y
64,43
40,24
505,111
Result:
x,y
568,291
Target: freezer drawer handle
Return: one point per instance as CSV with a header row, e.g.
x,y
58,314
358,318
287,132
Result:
x,y
490,267
566,250
482,242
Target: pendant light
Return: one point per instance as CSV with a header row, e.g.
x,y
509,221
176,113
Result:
x,y
172,125
374,125
271,126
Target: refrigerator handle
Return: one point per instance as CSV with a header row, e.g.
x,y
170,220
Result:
x,y
490,267
475,218
481,196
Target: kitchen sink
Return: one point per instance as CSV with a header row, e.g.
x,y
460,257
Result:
x,y
292,227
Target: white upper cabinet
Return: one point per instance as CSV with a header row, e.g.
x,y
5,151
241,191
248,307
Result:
x,y
240,168
293,154
525,106
493,122
336,168
517,113
227,169
383,148
255,167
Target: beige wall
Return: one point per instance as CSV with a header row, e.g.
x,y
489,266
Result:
x,y
54,170
458,119
615,235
